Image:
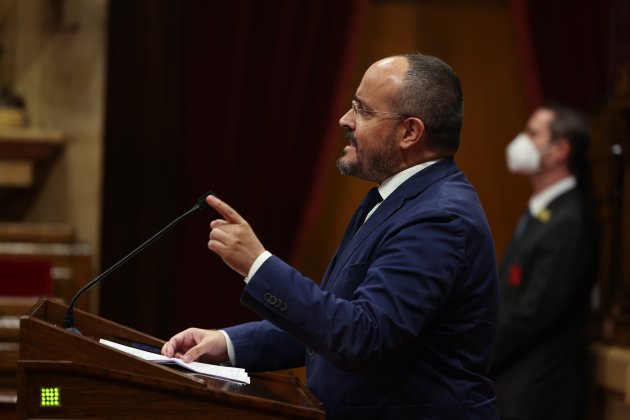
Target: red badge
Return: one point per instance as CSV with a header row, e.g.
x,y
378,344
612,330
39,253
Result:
x,y
515,276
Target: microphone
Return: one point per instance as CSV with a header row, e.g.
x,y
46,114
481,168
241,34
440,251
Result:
x,y
68,321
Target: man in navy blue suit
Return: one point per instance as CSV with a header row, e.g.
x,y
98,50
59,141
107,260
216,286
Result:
x,y
404,321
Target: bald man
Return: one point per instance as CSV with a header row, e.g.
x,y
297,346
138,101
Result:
x,y
403,323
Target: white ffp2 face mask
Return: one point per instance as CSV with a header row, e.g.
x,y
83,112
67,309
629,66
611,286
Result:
x,y
522,155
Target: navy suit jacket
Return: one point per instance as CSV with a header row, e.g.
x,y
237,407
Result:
x,y
404,322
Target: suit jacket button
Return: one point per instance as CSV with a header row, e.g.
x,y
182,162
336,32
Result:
x,y
283,307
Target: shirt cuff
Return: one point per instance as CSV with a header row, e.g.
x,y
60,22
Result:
x,y
230,348
256,265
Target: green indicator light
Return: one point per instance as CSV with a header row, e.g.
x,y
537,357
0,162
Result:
x,y
50,396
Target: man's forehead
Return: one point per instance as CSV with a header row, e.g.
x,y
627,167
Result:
x,y
390,67
385,74
540,119
538,123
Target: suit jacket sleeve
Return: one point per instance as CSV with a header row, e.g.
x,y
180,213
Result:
x,y
380,301
261,346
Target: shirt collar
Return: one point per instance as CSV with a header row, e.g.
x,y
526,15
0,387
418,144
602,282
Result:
x,y
541,200
390,184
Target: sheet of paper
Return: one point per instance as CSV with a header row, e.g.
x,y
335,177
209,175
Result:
x,y
226,372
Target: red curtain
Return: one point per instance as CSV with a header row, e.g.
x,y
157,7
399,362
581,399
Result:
x,y
241,97
262,82
566,49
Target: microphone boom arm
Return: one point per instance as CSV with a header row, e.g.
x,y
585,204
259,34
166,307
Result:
x,y
68,321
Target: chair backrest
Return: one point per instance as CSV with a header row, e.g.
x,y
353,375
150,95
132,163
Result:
x,y
25,277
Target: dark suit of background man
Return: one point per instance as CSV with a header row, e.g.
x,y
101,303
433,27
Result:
x,y
547,274
405,318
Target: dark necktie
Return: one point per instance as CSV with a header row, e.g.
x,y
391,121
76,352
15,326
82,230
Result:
x,y
372,198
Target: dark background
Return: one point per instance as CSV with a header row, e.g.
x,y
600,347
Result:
x,y
238,97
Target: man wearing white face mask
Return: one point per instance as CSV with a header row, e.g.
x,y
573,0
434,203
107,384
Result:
x,y
547,274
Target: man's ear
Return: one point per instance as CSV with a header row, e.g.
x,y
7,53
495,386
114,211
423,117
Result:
x,y
563,149
413,132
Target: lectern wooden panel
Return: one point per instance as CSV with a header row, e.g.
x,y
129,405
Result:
x,y
66,375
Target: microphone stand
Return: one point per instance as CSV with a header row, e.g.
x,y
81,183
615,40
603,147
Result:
x,y
68,321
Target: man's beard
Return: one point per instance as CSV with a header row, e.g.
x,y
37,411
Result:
x,y
370,164
346,168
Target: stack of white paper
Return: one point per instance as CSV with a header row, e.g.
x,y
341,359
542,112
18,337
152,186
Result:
x,y
226,372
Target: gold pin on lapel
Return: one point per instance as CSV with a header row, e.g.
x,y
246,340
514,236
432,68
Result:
x,y
544,215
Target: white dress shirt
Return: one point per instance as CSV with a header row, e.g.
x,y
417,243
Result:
x,y
540,201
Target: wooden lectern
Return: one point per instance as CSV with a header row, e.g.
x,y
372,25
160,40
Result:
x,y
66,375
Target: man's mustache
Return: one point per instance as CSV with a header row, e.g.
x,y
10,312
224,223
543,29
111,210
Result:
x,y
351,137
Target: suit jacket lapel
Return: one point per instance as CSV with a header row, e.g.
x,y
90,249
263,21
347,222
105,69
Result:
x,y
407,190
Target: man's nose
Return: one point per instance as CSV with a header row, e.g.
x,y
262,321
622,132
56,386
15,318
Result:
x,y
347,119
